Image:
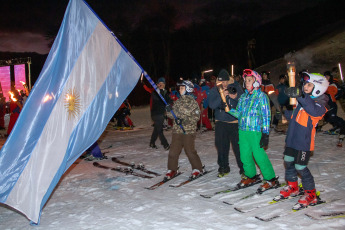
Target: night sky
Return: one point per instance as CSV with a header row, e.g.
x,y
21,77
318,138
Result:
x,y
24,25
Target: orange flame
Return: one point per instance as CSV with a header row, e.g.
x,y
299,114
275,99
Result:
x,y
12,96
270,92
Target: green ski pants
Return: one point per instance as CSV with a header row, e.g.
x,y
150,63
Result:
x,y
250,149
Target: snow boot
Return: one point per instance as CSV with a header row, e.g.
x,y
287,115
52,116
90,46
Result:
x,y
309,198
152,145
170,174
268,184
166,147
246,181
222,174
290,190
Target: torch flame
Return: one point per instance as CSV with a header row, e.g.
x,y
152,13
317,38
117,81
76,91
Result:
x,y
270,92
341,73
207,71
12,96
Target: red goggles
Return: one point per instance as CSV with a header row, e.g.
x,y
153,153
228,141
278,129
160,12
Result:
x,y
305,77
247,72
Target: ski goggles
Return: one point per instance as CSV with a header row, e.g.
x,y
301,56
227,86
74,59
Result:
x,y
249,72
304,77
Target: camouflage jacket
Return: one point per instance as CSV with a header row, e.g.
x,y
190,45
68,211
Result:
x,y
187,109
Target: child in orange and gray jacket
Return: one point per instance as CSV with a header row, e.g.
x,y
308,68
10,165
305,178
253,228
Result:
x,y
300,137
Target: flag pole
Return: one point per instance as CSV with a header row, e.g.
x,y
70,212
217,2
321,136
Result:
x,y
160,95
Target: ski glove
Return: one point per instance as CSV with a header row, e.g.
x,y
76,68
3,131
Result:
x,y
293,92
264,140
178,121
223,105
168,108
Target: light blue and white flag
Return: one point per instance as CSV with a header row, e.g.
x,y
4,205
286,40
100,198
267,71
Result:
x,y
85,79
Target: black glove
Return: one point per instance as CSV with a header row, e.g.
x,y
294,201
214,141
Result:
x,y
168,108
223,105
264,140
293,92
178,121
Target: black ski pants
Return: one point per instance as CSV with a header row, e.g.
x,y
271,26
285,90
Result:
x,y
226,133
158,130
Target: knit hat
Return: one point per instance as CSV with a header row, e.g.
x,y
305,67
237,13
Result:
x,y
223,75
162,79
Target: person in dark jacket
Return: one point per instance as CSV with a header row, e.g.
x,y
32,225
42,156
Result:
x,y
226,126
299,143
158,114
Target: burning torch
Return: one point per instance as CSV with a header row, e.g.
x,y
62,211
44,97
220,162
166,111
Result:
x,y
292,79
341,73
12,96
26,88
221,92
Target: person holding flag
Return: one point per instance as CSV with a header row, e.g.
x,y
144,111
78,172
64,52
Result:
x,y
158,114
188,113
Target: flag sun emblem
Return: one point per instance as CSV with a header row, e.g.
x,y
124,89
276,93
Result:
x,y
72,103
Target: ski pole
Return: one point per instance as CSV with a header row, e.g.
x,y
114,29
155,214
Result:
x,y
160,95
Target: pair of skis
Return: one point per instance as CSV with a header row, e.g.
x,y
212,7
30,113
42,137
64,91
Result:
x,y
237,187
165,180
130,168
275,215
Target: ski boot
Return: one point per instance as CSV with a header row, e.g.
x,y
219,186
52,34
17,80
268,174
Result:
x,y
309,198
340,141
223,172
268,184
333,131
246,181
195,174
170,174
290,190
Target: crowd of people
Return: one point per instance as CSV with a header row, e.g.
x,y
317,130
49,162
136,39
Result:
x,y
242,110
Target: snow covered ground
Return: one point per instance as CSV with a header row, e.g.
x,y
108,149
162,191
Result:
x,y
92,198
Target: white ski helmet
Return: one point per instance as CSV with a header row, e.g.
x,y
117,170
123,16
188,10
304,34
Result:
x,y
188,84
320,83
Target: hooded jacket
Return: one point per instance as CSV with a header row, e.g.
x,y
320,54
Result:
x,y
301,131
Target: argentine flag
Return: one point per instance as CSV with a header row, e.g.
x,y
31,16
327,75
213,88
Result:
x,y
85,79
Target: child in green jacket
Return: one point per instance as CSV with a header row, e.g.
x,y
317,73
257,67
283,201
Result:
x,y
253,113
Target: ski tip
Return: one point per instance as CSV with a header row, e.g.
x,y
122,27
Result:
x,y
228,203
205,196
238,210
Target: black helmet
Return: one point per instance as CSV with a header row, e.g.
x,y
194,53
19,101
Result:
x,y
282,76
328,73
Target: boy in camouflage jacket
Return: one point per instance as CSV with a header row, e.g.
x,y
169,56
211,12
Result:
x,y
188,113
